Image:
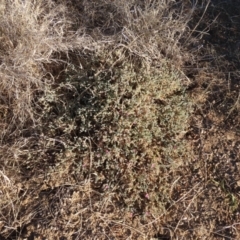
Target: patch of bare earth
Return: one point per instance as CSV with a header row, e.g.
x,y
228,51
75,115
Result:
x,y
207,192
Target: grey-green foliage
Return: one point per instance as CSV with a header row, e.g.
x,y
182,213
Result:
x,y
125,122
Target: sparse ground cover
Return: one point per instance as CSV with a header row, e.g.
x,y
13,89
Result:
x,y
119,120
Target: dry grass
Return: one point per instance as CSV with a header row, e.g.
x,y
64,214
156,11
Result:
x,y
101,134
31,32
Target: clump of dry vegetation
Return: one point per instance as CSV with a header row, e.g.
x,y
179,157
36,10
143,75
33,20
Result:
x,y
98,123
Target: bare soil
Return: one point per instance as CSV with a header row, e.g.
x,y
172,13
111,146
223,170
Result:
x,y
208,188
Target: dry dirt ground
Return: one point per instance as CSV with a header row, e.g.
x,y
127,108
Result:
x,y
209,182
